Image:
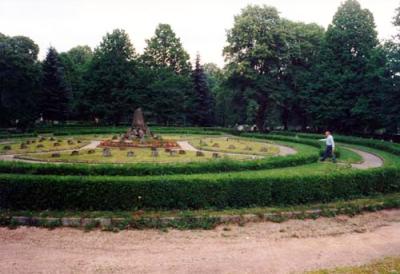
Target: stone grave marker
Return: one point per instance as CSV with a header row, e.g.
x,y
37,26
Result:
x,y
107,152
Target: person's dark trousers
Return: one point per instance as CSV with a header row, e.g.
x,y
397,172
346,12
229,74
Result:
x,y
328,153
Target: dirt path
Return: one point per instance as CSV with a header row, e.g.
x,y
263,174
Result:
x,y
293,246
370,160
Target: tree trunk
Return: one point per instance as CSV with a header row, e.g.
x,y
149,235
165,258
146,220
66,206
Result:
x,y
261,113
285,118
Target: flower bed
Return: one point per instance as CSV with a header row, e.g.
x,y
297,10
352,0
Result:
x,y
152,143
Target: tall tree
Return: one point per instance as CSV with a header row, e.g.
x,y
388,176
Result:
x,y
222,94
255,50
344,98
391,99
165,49
76,62
54,95
303,47
202,101
19,80
110,81
167,67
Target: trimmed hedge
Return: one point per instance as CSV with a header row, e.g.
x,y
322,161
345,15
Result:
x,y
39,192
373,143
142,169
17,135
157,169
313,143
189,191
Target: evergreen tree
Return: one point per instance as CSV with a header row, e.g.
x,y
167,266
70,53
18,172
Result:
x,y
54,96
203,102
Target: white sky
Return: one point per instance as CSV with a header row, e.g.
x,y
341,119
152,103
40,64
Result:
x,y
201,24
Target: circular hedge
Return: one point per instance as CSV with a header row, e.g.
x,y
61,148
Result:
x,y
287,180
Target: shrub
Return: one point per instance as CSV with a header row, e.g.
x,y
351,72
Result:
x,y
142,169
189,191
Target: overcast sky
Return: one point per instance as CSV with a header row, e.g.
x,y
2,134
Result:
x,y
201,24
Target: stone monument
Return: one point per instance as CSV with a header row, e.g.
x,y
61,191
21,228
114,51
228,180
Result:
x,y
139,136
138,129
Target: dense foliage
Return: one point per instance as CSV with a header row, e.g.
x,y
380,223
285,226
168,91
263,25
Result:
x,y
278,73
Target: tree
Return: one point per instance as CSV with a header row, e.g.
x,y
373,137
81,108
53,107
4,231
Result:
x,y
164,49
303,42
222,94
76,62
54,95
19,80
167,85
110,80
344,97
391,98
202,101
255,50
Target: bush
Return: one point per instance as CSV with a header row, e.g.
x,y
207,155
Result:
x,y
373,143
189,191
158,169
185,191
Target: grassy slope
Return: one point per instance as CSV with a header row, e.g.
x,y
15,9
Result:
x,y
385,266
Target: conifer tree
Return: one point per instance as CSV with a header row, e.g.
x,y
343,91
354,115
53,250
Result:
x,y
54,94
203,103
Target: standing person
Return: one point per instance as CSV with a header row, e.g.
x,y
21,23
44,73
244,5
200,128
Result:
x,y
330,147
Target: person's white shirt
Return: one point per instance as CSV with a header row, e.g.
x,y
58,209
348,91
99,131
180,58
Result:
x,y
329,141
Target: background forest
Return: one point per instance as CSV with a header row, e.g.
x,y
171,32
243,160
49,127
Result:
x,y
278,74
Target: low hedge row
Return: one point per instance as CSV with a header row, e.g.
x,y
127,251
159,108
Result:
x,y
373,143
36,192
142,169
39,192
85,130
284,138
17,135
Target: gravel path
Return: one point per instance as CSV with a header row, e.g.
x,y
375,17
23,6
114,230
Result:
x,y
289,247
370,160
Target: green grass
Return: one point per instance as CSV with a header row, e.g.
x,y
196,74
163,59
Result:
x,y
40,146
232,144
142,155
317,182
348,156
384,266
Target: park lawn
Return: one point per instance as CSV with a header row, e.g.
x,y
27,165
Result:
x,y
235,145
348,156
41,146
142,155
389,159
384,266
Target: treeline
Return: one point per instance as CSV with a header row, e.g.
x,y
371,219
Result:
x,y
104,85
278,73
